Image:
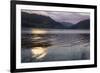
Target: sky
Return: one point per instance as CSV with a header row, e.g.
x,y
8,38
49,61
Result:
x,y
62,16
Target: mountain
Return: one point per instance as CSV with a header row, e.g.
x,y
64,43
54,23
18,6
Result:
x,y
85,24
67,24
39,21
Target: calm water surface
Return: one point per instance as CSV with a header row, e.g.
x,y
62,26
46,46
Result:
x,y
54,45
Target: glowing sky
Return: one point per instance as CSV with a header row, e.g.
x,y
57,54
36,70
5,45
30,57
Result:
x,y
62,16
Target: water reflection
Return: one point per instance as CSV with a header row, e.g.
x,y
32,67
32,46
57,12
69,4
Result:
x,y
45,45
39,52
38,31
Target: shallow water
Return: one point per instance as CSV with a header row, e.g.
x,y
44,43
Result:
x,y
57,46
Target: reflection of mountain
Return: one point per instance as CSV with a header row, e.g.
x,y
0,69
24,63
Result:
x,y
40,21
85,24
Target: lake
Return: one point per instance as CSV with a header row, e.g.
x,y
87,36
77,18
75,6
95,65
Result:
x,y
42,45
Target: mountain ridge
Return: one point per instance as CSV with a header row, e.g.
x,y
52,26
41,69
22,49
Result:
x,y
40,21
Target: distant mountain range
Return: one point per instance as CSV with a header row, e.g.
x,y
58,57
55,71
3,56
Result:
x,y
40,21
85,24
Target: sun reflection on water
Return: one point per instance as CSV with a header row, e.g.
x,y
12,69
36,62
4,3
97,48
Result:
x,y
39,52
38,31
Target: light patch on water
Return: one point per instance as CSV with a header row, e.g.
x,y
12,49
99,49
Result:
x,y
39,52
38,31
36,38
